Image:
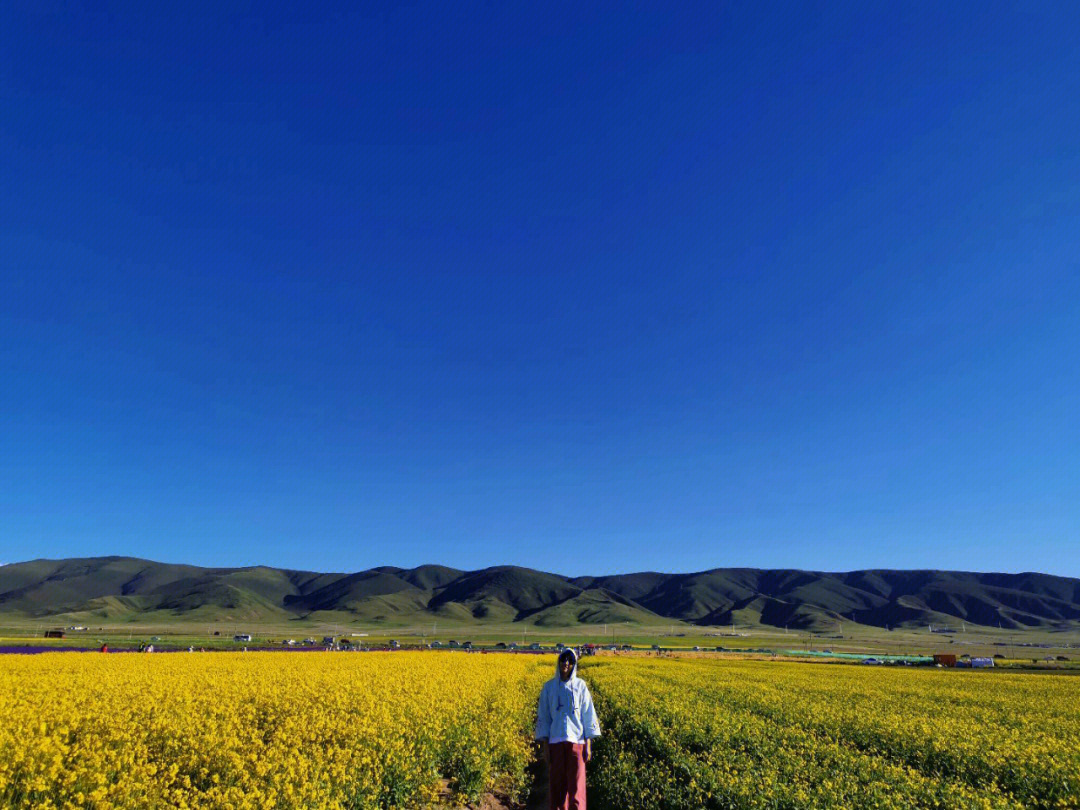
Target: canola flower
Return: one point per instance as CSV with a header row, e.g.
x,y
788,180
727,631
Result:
x,y
385,730
263,730
698,733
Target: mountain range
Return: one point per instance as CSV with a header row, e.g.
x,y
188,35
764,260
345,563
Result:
x,y
112,589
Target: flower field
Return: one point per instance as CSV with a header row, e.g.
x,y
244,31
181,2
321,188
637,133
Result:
x,y
383,730
260,730
698,733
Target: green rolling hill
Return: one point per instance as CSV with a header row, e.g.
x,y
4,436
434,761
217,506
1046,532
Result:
x,y
117,589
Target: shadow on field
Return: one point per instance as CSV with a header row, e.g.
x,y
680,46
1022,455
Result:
x,y
538,791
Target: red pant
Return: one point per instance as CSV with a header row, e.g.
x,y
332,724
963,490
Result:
x,y
566,776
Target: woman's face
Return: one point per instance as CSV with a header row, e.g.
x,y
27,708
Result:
x,y
566,666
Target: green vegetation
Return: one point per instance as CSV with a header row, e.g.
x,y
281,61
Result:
x,y
883,611
691,734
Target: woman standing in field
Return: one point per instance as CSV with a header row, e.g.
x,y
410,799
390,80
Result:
x,y
565,724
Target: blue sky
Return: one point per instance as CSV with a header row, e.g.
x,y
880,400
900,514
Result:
x,y
589,289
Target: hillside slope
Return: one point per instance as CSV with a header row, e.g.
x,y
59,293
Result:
x,y
125,588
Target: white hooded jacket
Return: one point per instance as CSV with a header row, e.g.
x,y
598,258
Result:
x,y
565,712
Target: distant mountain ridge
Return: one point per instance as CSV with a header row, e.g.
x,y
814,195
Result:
x,y
119,588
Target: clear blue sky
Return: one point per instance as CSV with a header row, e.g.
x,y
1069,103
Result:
x,y
584,288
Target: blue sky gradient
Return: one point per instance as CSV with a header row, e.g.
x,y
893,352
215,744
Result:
x,y
590,289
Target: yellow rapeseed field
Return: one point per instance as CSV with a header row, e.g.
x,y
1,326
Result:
x,y
385,730
261,730
694,733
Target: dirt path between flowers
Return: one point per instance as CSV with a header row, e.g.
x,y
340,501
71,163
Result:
x,y
536,800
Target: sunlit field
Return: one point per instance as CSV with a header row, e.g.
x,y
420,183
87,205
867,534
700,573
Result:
x,y
258,730
382,730
757,734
